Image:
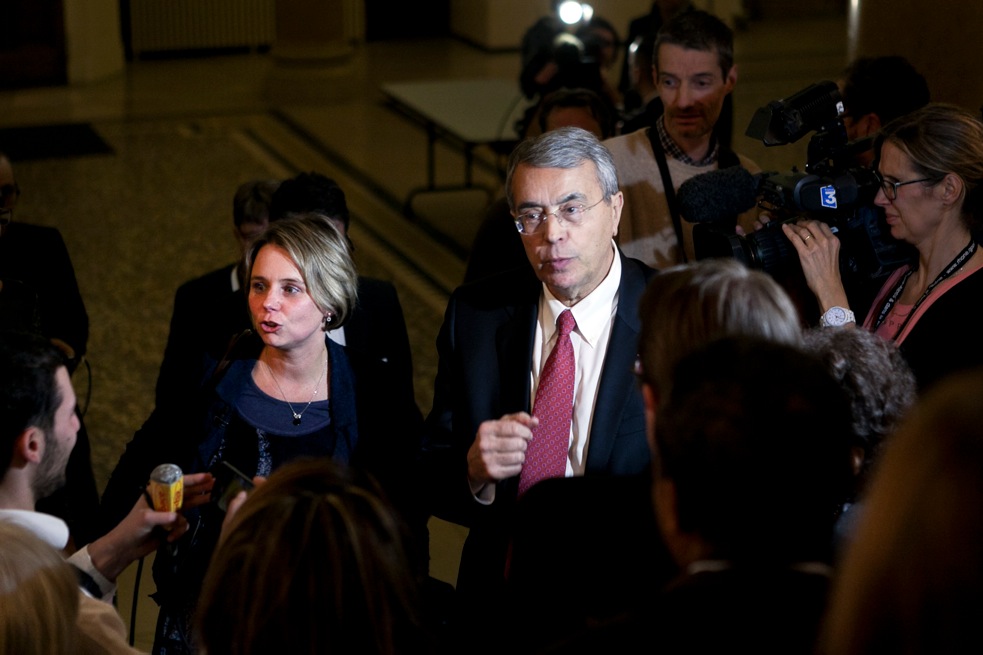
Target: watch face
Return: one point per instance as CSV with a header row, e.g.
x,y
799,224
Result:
x,y
836,316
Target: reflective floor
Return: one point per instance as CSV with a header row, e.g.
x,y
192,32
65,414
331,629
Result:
x,y
186,133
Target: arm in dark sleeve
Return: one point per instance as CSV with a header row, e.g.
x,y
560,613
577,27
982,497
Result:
x,y
63,314
444,448
183,354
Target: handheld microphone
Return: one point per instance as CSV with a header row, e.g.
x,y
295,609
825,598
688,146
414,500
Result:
x,y
167,488
717,196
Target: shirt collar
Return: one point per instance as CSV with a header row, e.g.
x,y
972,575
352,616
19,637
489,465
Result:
x,y
50,529
677,153
592,312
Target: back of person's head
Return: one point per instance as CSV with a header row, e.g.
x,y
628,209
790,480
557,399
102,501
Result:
x,y
310,192
911,581
940,139
319,249
698,30
583,99
29,393
755,437
887,86
39,596
564,147
874,375
315,561
687,306
251,203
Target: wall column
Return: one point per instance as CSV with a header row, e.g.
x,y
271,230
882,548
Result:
x,y
314,49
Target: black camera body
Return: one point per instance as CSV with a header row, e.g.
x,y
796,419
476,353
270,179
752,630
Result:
x,y
833,189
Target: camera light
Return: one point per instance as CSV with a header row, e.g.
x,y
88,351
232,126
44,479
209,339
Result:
x,y
572,13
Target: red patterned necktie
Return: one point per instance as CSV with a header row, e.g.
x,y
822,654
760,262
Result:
x,y
546,456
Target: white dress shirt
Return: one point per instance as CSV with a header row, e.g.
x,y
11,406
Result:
x,y
595,316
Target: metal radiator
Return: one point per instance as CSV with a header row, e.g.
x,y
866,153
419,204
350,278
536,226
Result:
x,y
163,25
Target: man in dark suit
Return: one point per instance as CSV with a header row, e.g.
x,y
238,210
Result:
x,y
498,332
752,461
211,309
39,293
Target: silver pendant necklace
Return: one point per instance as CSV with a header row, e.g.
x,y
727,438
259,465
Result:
x,y
298,415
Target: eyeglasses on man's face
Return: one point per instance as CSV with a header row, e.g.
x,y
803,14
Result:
x,y
891,188
572,213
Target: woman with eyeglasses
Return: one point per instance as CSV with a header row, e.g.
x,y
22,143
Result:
x,y
930,166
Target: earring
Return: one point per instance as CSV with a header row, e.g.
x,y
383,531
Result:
x,y
328,318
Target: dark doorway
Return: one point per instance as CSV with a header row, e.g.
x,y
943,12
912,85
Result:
x,y
398,19
32,44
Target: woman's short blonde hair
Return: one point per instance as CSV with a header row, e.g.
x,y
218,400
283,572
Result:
x,y
39,596
320,251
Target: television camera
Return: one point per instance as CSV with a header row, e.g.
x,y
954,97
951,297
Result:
x,y
832,189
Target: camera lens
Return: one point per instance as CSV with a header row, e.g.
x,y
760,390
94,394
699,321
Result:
x,y
771,251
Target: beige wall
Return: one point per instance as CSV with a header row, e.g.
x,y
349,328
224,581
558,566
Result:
x,y
500,24
942,41
94,49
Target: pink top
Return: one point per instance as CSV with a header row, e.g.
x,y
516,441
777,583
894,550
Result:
x,y
896,317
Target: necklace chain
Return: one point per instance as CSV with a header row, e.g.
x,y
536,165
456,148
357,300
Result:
x,y
298,415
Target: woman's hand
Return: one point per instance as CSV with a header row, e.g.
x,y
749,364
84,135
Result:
x,y
819,255
235,503
197,489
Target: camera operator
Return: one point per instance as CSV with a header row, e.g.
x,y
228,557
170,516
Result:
x,y
929,165
876,90
554,58
694,72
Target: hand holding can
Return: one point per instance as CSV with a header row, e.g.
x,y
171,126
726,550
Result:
x,y
167,488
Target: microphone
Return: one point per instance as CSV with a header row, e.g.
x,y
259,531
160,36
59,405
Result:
x,y
717,196
167,495
167,488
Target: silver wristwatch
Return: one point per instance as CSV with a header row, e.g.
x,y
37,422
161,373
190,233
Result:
x,y
837,317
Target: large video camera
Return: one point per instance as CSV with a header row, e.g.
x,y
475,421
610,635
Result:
x,y
833,189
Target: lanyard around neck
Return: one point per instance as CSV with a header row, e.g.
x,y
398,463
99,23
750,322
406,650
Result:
x,y
949,270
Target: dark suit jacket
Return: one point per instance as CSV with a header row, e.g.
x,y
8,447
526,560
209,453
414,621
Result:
x,y
207,313
485,349
747,609
585,550
36,270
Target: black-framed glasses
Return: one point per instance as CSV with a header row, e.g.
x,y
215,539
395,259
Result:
x,y
891,188
569,213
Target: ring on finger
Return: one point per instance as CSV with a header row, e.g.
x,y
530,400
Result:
x,y
807,236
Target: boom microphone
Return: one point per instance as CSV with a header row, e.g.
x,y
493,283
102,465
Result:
x,y
717,196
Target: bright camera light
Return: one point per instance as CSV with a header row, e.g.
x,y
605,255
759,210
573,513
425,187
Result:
x,y
573,12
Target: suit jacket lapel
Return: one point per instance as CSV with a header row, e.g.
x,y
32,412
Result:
x,y
616,387
514,345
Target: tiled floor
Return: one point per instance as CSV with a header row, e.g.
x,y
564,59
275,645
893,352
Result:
x,y
186,133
